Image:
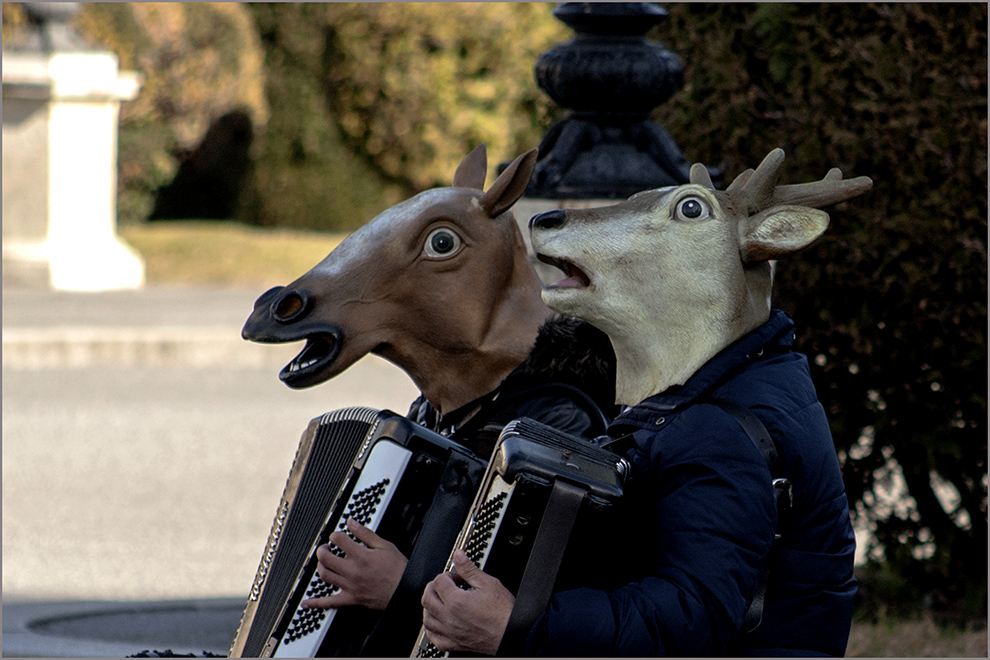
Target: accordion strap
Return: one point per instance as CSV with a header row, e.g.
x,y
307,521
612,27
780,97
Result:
x,y
544,562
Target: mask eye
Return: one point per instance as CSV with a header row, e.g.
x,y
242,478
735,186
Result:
x,y
692,208
441,243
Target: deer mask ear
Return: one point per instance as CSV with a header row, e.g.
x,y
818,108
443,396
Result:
x,y
510,186
473,170
779,231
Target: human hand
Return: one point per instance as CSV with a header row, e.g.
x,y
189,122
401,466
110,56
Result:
x,y
473,619
366,575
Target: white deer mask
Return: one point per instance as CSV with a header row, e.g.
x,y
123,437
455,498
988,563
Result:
x,y
675,275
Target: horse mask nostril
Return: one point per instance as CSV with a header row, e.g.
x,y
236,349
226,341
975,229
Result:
x,y
290,306
548,219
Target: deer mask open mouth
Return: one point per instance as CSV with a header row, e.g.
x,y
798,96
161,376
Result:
x,y
576,278
681,272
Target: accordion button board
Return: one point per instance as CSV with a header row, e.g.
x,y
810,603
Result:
x,y
370,498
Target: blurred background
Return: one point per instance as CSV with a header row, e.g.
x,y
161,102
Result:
x,y
261,134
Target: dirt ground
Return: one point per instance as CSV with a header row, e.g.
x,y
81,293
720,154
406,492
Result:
x,y
915,639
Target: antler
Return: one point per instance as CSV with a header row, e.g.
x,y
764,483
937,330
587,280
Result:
x,y
758,189
830,190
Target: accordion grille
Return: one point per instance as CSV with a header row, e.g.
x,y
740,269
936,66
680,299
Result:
x,y
320,472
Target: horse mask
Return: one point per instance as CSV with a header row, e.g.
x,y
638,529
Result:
x,y
439,284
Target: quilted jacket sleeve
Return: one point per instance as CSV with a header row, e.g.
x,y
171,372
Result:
x,y
708,491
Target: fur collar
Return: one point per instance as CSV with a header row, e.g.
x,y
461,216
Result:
x,y
566,350
570,350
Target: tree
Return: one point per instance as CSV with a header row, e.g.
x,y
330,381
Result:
x,y
891,303
199,62
415,86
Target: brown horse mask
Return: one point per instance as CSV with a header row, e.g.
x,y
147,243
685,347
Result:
x,y
439,284
675,275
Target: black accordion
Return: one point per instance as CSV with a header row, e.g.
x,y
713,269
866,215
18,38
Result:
x,y
410,485
533,523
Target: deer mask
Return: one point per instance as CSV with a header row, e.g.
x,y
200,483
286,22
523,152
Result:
x,y
439,284
675,275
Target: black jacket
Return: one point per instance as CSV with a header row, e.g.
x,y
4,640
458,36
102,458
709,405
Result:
x,y
567,382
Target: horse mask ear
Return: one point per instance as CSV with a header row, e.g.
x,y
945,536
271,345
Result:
x,y
473,170
510,186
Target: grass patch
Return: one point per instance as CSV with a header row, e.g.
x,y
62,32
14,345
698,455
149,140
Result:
x,y
226,253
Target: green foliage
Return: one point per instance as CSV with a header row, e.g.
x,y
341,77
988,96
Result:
x,y
891,303
415,86
305,176
372,102
198,61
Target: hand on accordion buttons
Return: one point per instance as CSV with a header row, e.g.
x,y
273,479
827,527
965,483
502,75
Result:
x,y
473,619
367,574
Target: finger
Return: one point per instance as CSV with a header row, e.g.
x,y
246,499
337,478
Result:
x,y
340,599
439,640
344,541
467,570
445,586
333,578
329,560
430,622
434,630
431,601
364,534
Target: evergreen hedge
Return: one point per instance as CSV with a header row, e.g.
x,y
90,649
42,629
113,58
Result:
x,y
891,302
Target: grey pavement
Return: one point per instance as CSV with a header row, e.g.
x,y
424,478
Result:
x,y
145,447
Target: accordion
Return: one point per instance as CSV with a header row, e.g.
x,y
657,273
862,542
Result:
x,y
544,496
410,485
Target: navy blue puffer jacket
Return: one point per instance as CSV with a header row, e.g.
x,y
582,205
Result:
x,y
690,560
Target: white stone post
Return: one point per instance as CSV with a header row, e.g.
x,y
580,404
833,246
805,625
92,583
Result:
x,y
60,116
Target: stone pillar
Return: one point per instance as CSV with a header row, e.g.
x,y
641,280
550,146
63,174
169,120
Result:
x,y
60,113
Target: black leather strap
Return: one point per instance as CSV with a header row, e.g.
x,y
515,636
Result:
x,y
760,437
544,562
754,428
396,630
596,415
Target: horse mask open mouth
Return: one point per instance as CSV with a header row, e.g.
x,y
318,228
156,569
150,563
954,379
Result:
x,y
269,323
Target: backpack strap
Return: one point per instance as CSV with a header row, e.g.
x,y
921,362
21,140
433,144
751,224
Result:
x,y
782,492
754,429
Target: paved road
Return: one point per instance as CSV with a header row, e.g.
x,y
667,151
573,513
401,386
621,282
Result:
x,y
145,446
